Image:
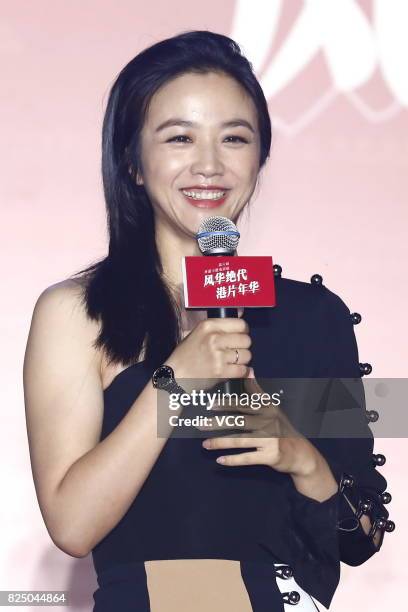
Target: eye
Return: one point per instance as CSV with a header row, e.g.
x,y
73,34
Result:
x,y
176,138
238,139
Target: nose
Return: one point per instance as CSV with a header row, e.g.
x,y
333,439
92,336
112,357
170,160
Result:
x,y
207,161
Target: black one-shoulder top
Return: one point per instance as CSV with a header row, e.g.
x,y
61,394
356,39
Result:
x,y
192,507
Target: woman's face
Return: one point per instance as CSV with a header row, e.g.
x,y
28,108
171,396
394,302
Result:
x,y
200,150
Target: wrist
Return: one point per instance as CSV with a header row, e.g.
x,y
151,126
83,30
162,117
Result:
x,y
180,377
307,460
176,366
317,482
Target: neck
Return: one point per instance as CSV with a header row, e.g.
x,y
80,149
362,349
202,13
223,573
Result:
x,y
172,247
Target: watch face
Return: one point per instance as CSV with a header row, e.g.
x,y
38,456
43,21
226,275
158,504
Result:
x,y
163,376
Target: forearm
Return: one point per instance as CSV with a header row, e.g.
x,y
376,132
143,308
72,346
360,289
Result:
x,y
98,489
319,484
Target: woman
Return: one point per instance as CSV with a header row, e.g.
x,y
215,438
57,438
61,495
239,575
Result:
x,y
185,136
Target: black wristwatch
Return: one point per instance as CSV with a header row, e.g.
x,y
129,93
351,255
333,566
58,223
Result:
x,y
163,378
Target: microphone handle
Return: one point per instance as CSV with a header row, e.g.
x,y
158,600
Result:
x,y
235,385
222,313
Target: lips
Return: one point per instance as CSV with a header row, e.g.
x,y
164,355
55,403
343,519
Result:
x,y
206,187
205,202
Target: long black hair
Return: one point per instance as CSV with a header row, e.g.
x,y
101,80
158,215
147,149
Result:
x,y
125,290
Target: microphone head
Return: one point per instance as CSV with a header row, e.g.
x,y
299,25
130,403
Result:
x,y
217,236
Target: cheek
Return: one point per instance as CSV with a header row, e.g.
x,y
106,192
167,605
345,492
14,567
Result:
x,y
246,166
161,167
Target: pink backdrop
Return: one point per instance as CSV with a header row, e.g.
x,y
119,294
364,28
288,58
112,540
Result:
x,y
332,201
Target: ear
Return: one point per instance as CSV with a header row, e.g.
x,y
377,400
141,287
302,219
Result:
x,y
139,178
137,175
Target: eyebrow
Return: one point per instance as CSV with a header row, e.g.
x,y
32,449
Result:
x,y
183,123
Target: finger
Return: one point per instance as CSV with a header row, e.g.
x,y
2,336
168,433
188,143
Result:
x,y
230,325
235,340
243,440
253,458
244,355
255,422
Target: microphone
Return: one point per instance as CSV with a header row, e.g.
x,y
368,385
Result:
x,y
219,236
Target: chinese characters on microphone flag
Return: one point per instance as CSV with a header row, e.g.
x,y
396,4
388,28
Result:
x,y
228,281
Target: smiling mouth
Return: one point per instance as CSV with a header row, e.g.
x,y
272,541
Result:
x,y
204,194
205,198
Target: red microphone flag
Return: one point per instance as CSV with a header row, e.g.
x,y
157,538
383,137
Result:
x,y
228,281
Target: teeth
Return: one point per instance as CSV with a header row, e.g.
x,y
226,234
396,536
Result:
x,y
204,195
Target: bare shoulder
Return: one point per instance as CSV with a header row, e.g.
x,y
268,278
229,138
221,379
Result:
x,y
64,302
60,346
67,292
61,326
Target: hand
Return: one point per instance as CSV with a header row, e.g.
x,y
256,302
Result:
x,y
206,356
280,446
